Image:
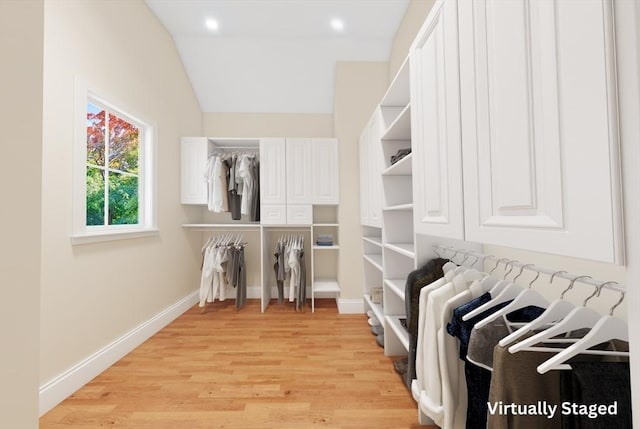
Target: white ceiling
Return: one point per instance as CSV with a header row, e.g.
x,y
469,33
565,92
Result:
x,y
275,55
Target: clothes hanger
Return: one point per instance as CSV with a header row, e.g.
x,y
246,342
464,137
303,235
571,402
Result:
x,y
556,311
606,329
578,318
510,291
502,284
525,298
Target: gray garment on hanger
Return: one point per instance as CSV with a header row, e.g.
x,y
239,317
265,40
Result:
x,y
278,268
302,289
234,199
241,290
255,203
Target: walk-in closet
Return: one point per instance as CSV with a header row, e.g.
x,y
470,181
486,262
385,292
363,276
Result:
x,y
342,214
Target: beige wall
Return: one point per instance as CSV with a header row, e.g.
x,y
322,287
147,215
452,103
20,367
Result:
x,y
94,293
267,124
359,88
414,17
20,186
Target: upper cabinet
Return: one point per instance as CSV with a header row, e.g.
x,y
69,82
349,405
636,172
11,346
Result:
x,y
273,187
193,165
435,121
299,181
540,123
324,171
371,167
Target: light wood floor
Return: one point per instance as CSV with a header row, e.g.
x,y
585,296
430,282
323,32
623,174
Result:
x,y
244,369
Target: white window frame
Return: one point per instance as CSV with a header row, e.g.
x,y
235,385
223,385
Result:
x,y
147,166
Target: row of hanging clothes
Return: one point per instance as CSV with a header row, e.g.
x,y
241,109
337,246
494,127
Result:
x,y
233,184
486,352
223,267
289,268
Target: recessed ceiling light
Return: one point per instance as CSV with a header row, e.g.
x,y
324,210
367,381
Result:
x,y
211,24
337,24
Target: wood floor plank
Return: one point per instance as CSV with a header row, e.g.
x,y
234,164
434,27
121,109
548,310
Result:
x,y
240,369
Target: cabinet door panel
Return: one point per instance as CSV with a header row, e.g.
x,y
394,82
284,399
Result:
x,y
435,119
272,171
193,163
540,126
299,171
325,171
364,178
376,167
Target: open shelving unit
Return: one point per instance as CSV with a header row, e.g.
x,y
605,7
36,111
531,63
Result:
x,y
390,254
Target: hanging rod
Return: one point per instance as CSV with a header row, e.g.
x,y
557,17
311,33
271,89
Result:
x,y
531,267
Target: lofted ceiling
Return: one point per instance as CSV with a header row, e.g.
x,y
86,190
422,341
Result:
x,y
275,55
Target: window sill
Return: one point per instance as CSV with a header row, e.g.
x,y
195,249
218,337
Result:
x,y
101,236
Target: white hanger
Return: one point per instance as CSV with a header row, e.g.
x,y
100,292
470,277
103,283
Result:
x,y
557,310
606,329
509,292
578,318
524,299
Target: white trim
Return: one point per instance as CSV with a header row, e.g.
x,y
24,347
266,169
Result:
x,y
147,176
350,306
112,235
62,386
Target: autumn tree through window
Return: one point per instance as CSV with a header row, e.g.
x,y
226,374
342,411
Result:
x,y
112,186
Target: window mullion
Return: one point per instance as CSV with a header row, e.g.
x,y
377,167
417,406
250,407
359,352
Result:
x,y
106,167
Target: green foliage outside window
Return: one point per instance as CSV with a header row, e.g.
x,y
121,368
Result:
x,y
120,170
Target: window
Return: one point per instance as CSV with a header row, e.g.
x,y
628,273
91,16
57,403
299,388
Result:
x,y
114,192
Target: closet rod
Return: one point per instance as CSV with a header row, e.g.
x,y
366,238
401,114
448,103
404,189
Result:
x,y
517,264
236,147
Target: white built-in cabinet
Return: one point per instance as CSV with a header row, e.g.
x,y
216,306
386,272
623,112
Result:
x,y
371,166
540,126
193,163
324,171
299,195
272,178
299,179
295,175
515,127
435,120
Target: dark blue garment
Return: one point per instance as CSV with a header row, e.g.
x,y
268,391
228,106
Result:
x,y
479,379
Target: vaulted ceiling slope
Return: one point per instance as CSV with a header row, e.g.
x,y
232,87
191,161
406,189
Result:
x,y
275,55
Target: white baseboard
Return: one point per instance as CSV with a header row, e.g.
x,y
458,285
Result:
x,y
350,306
62,386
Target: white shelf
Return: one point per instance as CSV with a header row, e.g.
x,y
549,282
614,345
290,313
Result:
x,y
375,260
398,330
376,241
325,224
238,226
398,93
406,249
377,308
316,247
400,128
401,168
399,207
326,285
397,286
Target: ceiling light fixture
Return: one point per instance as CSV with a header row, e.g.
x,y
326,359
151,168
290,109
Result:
x,y
211,24
337,24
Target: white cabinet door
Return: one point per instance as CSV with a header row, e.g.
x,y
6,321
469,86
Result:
x,y
324,169
299,171
193,164
376,166
272,171
435,120
364,178
539,119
